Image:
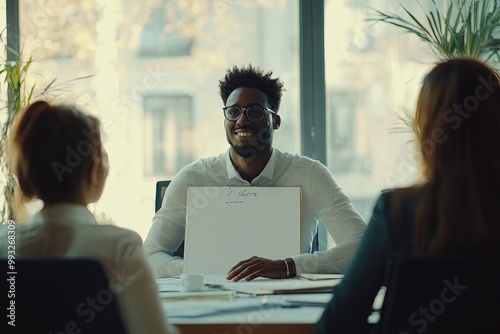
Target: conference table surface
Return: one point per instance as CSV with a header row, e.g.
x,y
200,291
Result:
x,y
255,311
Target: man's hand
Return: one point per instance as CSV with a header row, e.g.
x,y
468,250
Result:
x,y
257,267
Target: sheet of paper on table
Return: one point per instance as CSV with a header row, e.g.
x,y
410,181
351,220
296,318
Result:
x,y
316,277
192,309
216,287
202,294
222,296
273,286
309,299
168,284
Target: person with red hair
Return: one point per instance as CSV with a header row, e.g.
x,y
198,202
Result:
x,y
454,210
56,152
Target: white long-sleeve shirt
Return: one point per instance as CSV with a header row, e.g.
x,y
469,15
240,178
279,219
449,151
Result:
x,y
71,231
322,200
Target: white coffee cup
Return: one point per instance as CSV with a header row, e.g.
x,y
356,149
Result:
x,y
191,282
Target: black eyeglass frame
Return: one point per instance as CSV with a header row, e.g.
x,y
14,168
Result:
x,y
246,113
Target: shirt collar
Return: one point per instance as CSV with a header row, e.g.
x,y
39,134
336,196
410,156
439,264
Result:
x,y
267,172
65,214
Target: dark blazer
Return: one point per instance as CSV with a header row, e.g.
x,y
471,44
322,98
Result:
x,y
353,298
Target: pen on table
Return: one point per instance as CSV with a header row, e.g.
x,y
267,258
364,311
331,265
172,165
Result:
x,y
266,301
215,286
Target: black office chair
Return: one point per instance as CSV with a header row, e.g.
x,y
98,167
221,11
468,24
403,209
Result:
x,y
315,242
58,295
442,294
161,187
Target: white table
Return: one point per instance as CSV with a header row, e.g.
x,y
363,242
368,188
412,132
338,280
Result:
x,y
244,313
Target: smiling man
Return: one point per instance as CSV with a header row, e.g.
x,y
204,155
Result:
x,y
251,100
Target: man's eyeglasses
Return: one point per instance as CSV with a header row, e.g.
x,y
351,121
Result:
x,y
254,113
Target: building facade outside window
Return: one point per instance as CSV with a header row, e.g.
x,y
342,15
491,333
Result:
x,y
168,123
150,69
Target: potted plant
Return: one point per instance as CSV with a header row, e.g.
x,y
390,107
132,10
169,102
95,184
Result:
x,y
467,28
14,74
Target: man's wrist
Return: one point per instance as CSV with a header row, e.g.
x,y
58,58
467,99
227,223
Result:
x,y
284,270
291,270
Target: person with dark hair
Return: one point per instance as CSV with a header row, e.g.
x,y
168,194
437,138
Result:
x,y
251,99
56,153
454,210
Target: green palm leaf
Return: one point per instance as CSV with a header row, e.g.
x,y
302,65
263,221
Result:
x,y
467,28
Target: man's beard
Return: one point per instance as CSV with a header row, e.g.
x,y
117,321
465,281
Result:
x,y
250,151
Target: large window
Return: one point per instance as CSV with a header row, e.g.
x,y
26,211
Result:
x,y
373,73
149,69
343,144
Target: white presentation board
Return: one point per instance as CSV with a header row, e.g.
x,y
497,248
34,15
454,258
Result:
x,y
225,225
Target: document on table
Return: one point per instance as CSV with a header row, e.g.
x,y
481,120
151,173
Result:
x,y
194,308
317,277
275,286
168,284
298,300
190,309
171,289
217,287
290,286
202,294
219,295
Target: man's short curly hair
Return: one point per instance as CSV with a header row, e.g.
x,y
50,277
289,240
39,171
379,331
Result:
x,y
254,77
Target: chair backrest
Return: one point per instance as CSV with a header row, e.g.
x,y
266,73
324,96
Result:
x,y
58,295
442,294
315,243
161,187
